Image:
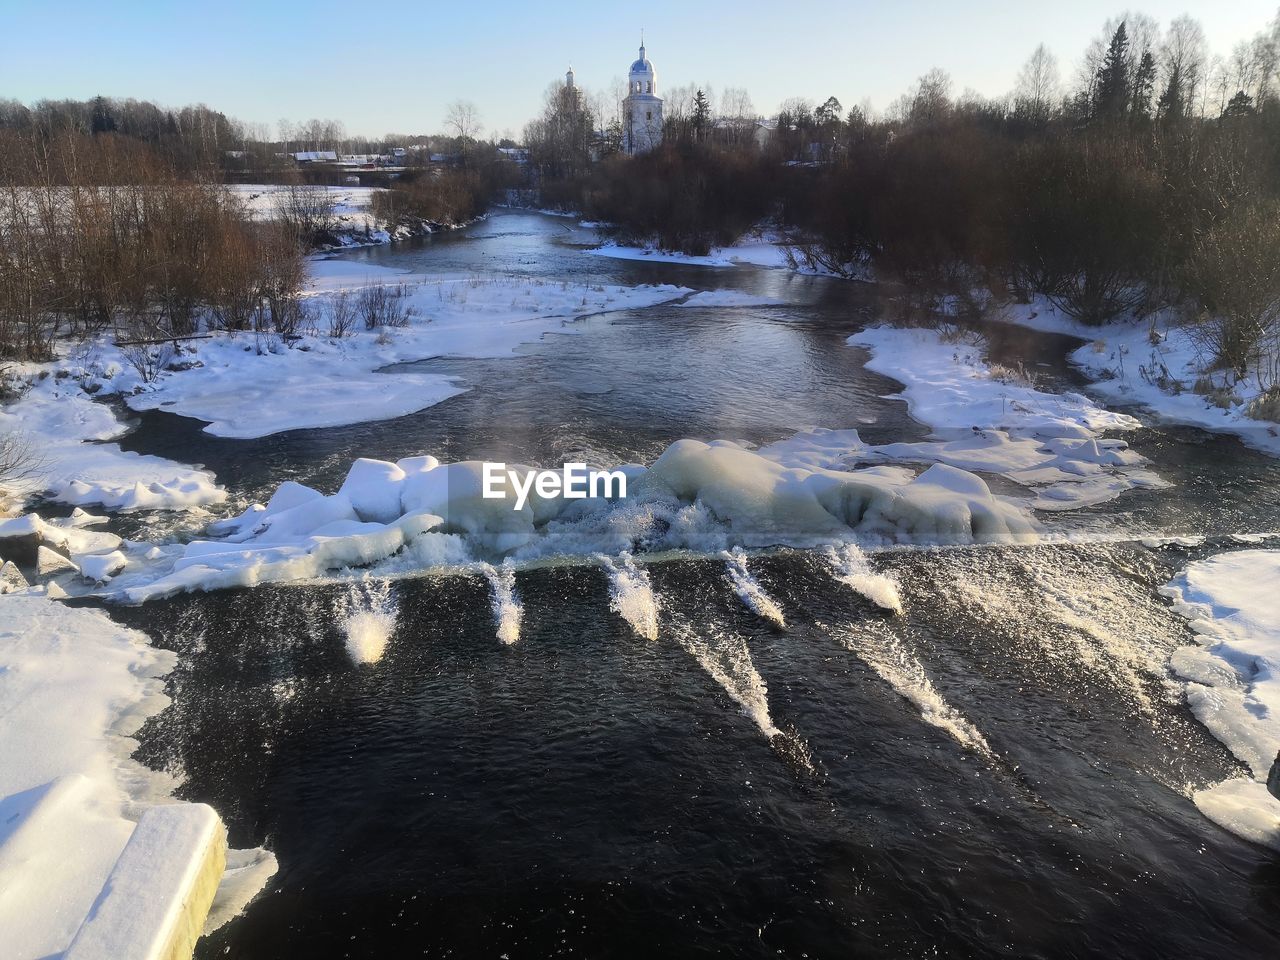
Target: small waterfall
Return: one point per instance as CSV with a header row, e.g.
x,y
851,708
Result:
x,y
850,566
508,612
727,659
884,653
749,589
368,616
631,594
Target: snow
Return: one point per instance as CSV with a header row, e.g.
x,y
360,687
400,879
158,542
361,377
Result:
x,y
993,421
246,388
730,298
65,427
164,880
1233,678
761,249
1157,365
352,205
67,537
73,687
1233,603
419,512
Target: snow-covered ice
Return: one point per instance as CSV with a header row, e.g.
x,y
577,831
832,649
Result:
x,y
247,386
730,298
705,496
1232,676
988,420
73,689
67,432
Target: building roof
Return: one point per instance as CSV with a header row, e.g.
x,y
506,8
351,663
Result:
x,y
642,65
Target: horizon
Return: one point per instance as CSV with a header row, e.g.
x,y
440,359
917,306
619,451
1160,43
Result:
x,y
506,72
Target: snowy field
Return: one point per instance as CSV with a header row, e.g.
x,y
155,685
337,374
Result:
x,y
351,205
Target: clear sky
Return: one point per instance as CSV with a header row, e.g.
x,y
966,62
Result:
x,y
395,66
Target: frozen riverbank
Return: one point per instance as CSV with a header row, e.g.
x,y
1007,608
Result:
x,y
1158,365
995,420
1233,679
74,688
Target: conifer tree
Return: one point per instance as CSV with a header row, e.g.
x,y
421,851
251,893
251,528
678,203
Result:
x,y
1112,89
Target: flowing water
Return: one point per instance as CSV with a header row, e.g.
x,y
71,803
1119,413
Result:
x,y
957,752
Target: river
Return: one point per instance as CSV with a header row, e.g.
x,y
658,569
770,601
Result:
x,y
1004,769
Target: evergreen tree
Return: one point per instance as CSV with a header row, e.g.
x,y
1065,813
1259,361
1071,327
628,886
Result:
x,y
100,118
1111,98
701,116
1172,104
1144,80
1241,105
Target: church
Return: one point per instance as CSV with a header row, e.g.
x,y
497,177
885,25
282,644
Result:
x,y
642,108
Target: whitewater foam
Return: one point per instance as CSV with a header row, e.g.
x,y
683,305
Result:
x,y
749,590
726,658
368,615
508,611
631,594
850,566
888,656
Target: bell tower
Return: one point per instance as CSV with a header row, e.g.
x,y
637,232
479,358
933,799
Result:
x,y
642,108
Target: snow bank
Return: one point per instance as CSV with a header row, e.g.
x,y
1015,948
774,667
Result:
x,y
760,249
1233,603
154,902
73,687
246,387
352,206
1157,367
65,428
988,421
696,495
1233,677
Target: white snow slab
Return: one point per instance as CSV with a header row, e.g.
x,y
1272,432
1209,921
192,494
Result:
x,y
761,253
73,687
948,384
1233,677
1049,442
154,903
1244,807
423,512
247,388
730,298
65,427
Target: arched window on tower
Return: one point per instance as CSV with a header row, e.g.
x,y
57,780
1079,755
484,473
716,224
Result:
x,y
649,86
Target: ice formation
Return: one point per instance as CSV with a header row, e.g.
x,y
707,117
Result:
x,y
1233,678
699,495
989,420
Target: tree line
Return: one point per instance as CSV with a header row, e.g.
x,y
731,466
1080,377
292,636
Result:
x,y
1149,181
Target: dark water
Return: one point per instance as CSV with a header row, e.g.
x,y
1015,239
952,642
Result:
x,y
587,792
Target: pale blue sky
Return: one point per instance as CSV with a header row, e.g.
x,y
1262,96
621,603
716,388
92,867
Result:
x,y
395,66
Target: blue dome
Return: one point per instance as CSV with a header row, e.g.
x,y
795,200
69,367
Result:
x,y
642,66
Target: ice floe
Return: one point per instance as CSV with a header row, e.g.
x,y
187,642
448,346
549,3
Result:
x,y
1232,676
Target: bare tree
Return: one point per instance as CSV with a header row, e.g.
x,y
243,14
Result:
x,y
464,119
1038,85
1183,67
